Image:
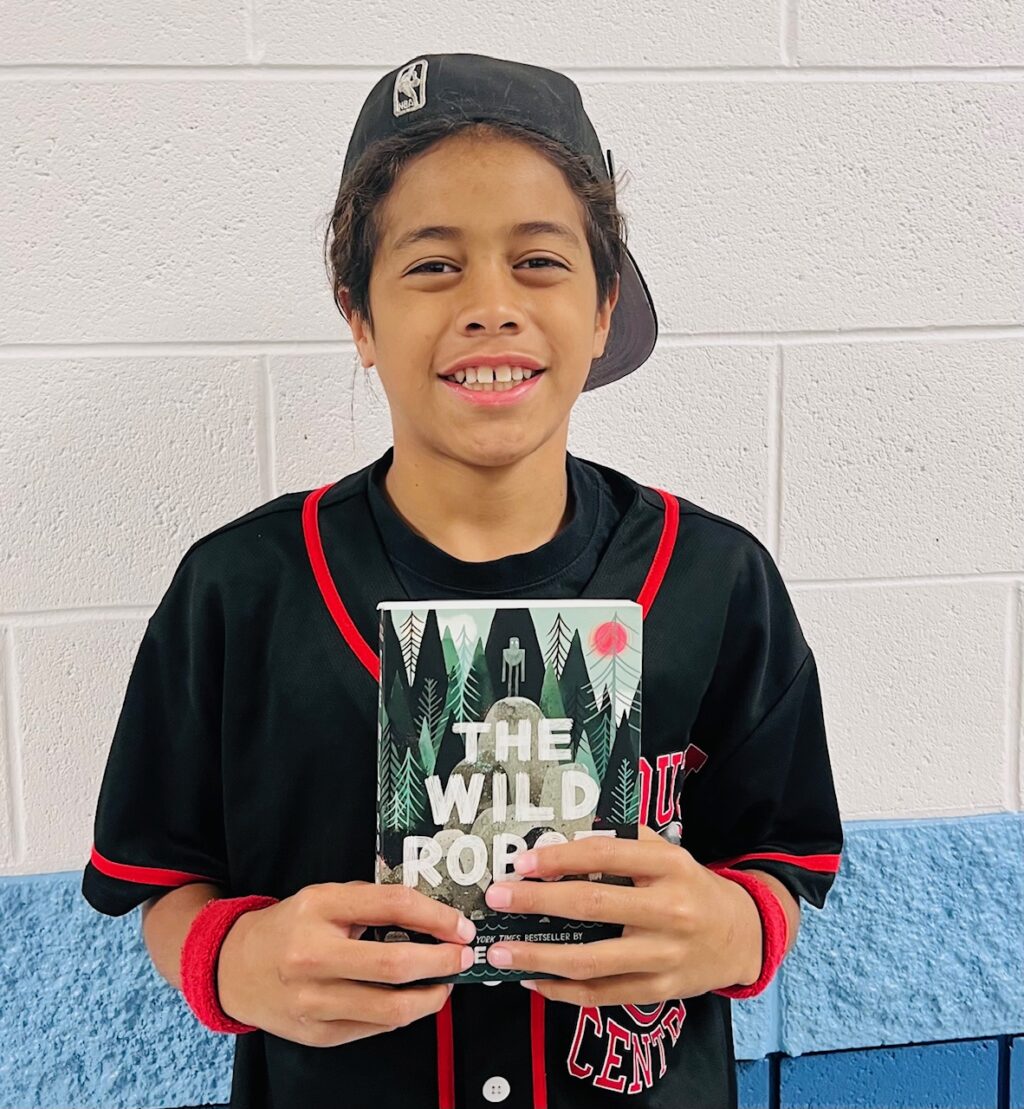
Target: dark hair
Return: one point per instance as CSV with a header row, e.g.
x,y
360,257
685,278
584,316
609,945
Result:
x,y
355,222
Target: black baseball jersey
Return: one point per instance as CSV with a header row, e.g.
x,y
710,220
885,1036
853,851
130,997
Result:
x,y
245,755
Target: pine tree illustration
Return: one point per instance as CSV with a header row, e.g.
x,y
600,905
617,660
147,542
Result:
x,y
389,819
429,711
626,797
478,694
452,704
385,763
409,636
556,653
617,670
427,754
466,647
599,728
469,695
551,705
409,795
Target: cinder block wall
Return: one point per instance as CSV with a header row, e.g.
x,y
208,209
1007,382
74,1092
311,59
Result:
x,y
825,198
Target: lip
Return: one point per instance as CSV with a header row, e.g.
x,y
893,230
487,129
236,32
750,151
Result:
x,y
487,397
505,358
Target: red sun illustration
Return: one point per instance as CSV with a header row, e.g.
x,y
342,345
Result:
x,y
609,638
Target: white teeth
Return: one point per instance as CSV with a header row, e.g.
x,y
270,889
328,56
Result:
x,y
488,375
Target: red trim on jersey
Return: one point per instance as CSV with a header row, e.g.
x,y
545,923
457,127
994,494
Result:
x,y
825,864
370,659
663,554
149,875
328,590
445,1057
540,1078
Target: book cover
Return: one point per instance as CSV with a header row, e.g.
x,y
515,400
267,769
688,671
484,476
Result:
x,y
503,725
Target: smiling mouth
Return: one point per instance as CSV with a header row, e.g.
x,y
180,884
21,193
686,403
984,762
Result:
x,y
486,379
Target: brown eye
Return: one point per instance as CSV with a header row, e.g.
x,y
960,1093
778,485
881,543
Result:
x,y
422,267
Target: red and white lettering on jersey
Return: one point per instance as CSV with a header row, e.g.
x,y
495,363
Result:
x,y
618,1047
624,1055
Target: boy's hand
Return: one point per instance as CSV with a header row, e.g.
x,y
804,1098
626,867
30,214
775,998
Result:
x,y
299,970
687,930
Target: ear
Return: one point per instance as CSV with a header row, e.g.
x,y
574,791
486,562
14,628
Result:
x,y
360,332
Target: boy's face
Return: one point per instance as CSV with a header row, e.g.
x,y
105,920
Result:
x,y
480,293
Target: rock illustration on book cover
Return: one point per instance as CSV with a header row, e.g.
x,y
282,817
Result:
x,y
503,725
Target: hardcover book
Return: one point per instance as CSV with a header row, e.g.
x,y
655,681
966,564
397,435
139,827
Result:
x,y
503,725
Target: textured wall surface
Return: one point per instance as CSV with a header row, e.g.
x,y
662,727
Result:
x,y
824,198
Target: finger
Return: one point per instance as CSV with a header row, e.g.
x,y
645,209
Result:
x,y
335,1033
397,962
366,903
326,1001
621,989
580,961
629,858
598,901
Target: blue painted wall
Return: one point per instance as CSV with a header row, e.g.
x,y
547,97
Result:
x,y
922,940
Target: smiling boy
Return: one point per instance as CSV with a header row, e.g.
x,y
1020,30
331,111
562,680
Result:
x,y
478,257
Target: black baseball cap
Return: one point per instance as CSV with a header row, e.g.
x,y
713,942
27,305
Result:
x,y
478,87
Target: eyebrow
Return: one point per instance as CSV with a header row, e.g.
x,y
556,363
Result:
x,y
529,227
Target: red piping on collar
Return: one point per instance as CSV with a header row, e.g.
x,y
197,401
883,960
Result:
x,y
371,660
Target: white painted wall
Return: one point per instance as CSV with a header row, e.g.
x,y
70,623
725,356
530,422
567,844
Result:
x,y
826,200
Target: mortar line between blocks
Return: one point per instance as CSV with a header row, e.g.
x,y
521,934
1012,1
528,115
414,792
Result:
x,y
15,784
788,30
99,72
1014,694
266,453
775,493
255,47
674,340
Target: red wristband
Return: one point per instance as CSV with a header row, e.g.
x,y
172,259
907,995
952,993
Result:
x,y
774,930
199,955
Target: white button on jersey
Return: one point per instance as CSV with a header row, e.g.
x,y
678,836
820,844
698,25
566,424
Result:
x,y
492,983
496,1088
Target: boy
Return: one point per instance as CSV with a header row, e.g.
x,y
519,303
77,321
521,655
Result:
x,y
242,776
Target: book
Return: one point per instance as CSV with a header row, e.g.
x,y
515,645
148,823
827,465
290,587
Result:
x,y
503,725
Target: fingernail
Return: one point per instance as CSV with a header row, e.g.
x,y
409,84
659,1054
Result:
x,y
527,984
451,986
466,928
500,956
467,957
498,896
525,863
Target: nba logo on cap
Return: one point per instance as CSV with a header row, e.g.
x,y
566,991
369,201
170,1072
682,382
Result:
x,y
411,87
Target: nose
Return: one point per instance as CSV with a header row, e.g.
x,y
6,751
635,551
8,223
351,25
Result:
x,y
491,300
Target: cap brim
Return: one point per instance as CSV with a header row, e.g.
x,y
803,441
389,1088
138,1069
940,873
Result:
x,y
634,329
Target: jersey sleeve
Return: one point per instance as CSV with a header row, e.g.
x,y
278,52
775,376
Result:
x,y
159,819
767,800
